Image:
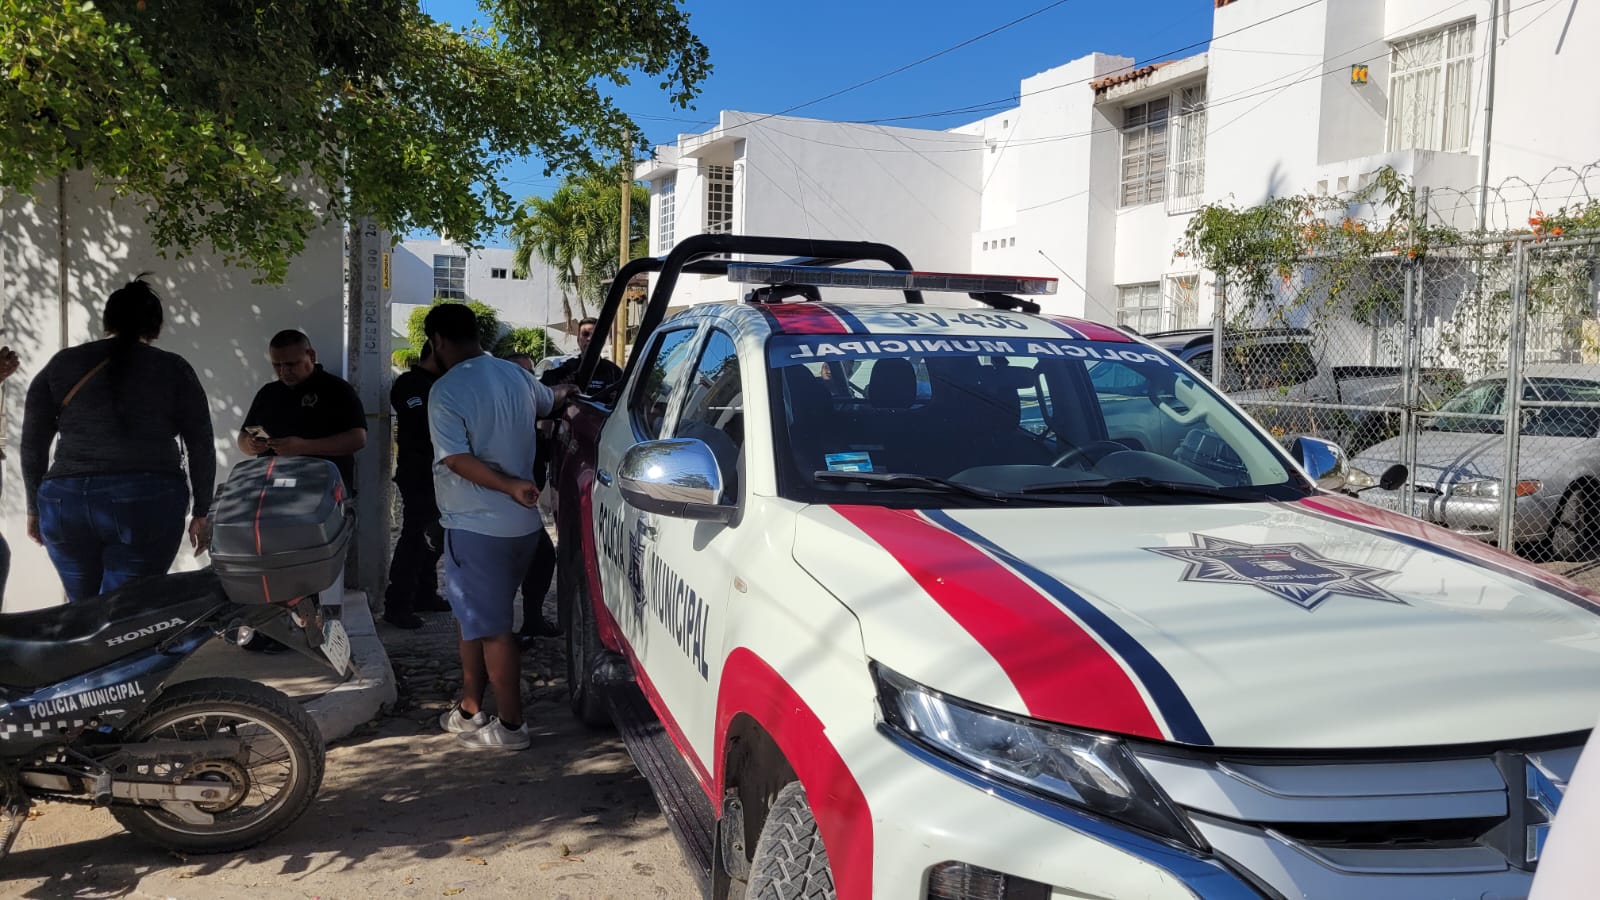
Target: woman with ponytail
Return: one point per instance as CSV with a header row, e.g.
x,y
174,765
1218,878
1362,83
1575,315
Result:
x,y
110,507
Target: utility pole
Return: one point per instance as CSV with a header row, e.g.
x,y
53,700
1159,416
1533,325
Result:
x,y
620,341
1488,114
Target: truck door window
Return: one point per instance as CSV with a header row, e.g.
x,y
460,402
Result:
x,y
713,410
659,378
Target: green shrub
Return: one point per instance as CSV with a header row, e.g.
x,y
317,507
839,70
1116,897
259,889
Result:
x,y
405,357
488,323
532,341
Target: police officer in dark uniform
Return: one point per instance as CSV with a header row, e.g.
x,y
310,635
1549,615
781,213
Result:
x,y
306,411
414,572
565,369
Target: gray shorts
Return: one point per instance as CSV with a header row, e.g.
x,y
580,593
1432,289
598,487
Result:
x,y
481,577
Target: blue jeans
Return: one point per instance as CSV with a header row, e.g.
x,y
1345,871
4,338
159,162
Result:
x,y
102,531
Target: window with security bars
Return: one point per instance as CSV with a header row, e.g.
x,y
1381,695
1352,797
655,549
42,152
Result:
x,y
450,277
1430,91
719,199
1139,306
1181,305
666,215
1186,139
1144,152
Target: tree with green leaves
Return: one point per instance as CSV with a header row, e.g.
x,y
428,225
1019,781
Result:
x,y
243,126
575,232
488,323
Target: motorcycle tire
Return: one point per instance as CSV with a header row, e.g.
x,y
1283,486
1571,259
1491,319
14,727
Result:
x,y
230,697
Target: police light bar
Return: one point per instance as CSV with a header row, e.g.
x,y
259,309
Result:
x,y
888,279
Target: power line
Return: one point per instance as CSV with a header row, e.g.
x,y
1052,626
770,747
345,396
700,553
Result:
x,y
913,64
1165,54
1271,86
999,104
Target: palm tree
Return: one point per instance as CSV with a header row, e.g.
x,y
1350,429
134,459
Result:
x,y
575,232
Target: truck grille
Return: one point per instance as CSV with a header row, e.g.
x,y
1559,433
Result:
x,y
1406,826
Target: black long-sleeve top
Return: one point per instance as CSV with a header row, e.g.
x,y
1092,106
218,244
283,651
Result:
x,y
129,417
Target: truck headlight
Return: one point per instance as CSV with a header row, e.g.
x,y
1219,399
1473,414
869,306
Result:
x,y
1489,489
1091,772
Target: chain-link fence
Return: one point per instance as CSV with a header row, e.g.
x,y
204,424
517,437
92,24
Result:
x,y
1464,364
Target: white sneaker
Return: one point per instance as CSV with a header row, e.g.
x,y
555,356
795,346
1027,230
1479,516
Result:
x,y
496,736
456,723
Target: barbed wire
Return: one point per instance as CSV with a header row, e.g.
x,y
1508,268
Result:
x,y
1516,200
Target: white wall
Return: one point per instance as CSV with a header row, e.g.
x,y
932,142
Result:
x,y
215,317
1265,97
917,190
1064,205
1354,117
1546,141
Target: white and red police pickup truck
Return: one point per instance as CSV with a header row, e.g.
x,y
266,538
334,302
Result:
x,y
953,603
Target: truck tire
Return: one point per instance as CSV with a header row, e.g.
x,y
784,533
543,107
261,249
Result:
x,y
583,641
790,861
1575,529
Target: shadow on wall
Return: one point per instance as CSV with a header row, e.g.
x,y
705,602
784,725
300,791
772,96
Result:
x,y
215,317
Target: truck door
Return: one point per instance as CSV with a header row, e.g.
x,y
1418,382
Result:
x,y
619,529
690,564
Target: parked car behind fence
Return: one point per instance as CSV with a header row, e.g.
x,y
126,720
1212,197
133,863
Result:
x,y
1287,382
1461,461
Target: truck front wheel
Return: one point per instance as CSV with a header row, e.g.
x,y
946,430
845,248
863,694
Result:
x,y
790,861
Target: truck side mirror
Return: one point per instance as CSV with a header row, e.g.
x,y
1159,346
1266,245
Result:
x,y
677,477
1323,461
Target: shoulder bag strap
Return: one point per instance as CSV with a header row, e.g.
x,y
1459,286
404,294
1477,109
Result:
x,y
83,381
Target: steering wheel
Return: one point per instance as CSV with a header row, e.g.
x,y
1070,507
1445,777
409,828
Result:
x,y
1085,456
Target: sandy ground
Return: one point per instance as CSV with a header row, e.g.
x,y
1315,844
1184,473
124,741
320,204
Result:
x,y
406,812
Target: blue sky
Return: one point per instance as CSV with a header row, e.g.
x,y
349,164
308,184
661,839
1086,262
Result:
x,y
766,59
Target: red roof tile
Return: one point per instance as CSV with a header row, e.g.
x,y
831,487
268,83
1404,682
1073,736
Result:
x,y
1105,84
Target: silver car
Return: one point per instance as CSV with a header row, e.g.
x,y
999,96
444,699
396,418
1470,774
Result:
x,y
1458,479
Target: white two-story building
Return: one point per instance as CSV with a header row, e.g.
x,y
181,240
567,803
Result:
x,y
1093,175
423,270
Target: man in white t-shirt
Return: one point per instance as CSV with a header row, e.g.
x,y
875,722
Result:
x,y
481,415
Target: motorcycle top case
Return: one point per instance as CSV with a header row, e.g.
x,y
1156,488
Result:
x,y
280,528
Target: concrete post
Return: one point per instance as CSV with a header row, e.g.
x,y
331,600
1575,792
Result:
x,y
369,368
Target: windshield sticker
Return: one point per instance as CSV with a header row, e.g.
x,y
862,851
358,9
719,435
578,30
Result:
x,y
1292,572
848,462
797,349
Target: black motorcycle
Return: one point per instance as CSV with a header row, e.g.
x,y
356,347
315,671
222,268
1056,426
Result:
x,y
87,713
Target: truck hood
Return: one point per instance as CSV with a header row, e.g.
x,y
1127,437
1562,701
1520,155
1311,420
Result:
x,y
1321,624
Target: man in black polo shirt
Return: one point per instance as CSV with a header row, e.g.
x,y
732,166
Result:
x,y
306,412
414,573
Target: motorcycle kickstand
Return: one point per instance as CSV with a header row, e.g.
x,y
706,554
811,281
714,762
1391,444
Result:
x,y
14,809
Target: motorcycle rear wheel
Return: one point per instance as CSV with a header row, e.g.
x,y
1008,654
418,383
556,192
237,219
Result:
x,y
269,788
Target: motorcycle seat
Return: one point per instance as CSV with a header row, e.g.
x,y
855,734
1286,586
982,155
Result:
x,y
45,646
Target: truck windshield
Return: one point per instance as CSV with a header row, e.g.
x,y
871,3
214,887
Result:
x,y
934,420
